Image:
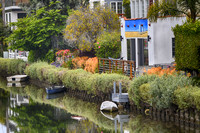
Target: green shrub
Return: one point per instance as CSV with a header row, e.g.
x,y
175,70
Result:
x,y
44,72
134,92
155,90
108,45
187,46
144,92
12,66
186,97
76,79
50,56
162,89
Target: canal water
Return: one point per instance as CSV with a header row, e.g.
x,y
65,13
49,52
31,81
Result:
x,y
28,109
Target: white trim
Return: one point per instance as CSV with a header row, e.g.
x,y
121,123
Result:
x,y
116,4
12,7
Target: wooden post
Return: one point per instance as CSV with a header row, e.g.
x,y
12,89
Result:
x,y
115,65
109,66
103,65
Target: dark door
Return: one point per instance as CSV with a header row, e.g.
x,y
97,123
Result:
x,y
142,52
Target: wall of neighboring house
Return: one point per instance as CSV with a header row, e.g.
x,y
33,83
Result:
x,y
12,13
160,44
115,5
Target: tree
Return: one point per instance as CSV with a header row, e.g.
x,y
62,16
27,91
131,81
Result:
x,y
190,8
4,32
63,5
38,32
84,26
127,10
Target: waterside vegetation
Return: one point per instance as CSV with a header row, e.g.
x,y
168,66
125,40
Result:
x,y
160,91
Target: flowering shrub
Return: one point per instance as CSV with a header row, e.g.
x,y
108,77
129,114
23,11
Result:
x,y
79,62
65,53
108,45
91,64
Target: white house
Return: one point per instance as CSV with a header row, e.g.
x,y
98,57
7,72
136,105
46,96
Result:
x,y
12,13
144,42
115,5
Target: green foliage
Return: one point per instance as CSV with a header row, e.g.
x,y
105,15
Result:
x,y
144,91
187,49
38,31
69,64
12,66
187,97
76,79
134,90
155,90
44,72
4,32
50,56
108,45
92,83
63,5
85,25
162,89
190,8
127,10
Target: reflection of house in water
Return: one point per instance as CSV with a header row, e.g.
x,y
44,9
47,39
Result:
x,y
15,100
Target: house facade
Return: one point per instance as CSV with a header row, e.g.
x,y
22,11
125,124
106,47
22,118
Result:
x,y
13,11
148,43
115,5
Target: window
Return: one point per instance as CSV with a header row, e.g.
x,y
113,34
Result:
x,y
113,7
9,17
6,18
133,8
142,8
117,7
173,47
137,8
21,15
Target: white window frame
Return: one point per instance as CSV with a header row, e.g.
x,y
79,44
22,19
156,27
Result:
x,y
116,4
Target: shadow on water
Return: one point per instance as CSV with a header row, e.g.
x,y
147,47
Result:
x,y
30,109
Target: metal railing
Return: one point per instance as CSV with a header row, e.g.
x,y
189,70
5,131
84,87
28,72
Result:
x,y
117,66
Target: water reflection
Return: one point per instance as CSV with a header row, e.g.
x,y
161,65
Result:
x,y
28,109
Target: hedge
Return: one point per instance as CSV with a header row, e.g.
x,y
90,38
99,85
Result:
x,y
12,66
76,79
157,91
187,46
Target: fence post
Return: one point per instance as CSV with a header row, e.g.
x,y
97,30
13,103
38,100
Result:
x,y
115,65
120,88
103,65
109,66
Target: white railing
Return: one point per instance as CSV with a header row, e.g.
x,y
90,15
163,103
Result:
x,y
16,55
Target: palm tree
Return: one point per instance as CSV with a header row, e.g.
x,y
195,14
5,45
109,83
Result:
x,y
190,8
